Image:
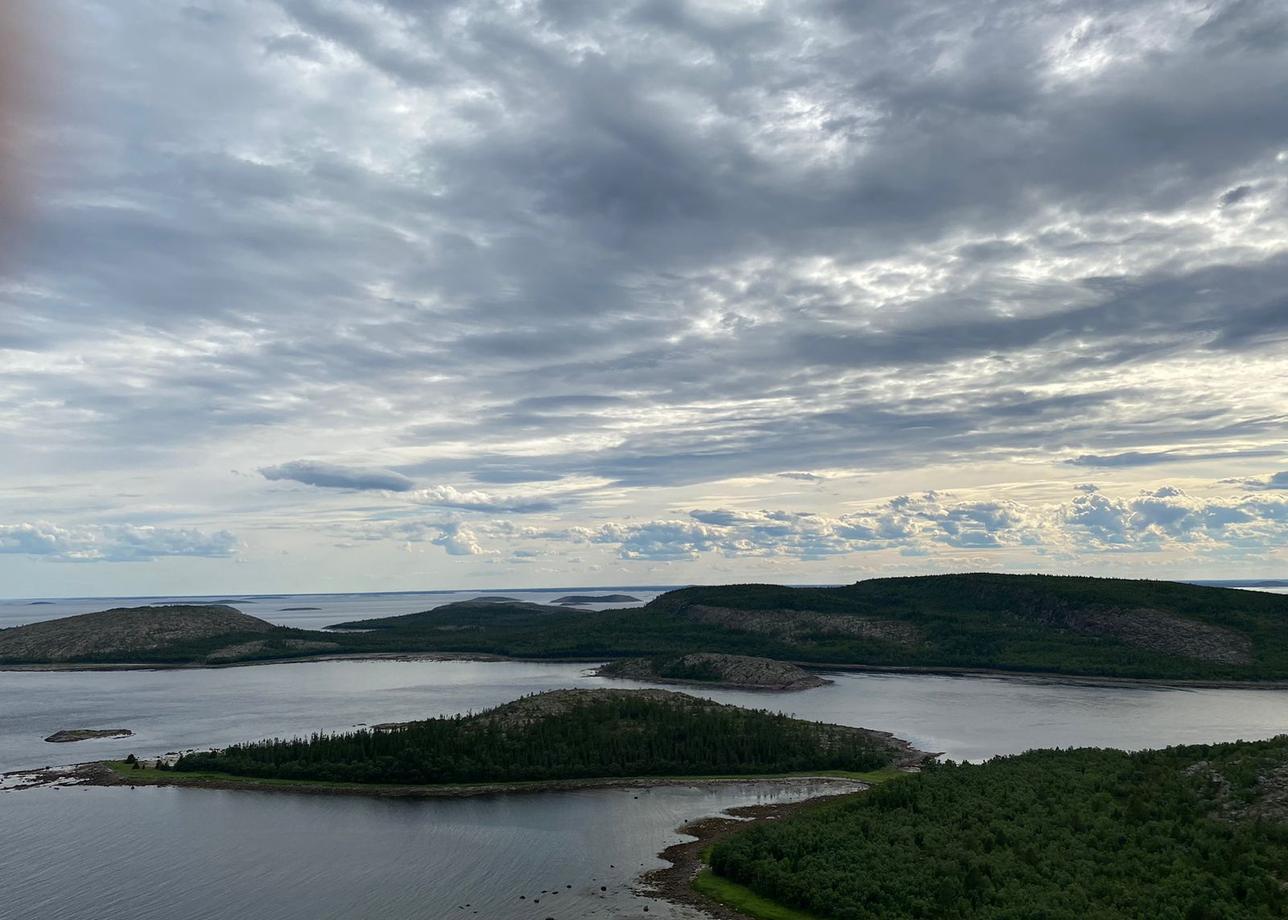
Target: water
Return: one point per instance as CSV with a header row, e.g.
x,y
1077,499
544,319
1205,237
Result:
x,y
967,718
161,854
88,853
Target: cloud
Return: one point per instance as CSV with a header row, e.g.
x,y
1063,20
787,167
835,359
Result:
x,y
459,540
1134,458
117,543
803,476
1274,481
445,496
333,476
655,247
927,524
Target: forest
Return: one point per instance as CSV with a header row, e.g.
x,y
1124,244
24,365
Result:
x,y
1197,832
1023,623
561,735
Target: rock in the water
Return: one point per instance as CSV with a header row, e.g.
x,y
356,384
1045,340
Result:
x,y
85,734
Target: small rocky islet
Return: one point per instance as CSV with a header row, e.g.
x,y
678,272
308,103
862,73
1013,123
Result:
x,y
68,735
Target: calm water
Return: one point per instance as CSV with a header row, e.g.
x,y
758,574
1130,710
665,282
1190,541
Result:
x,y
965,717
85,854
162,854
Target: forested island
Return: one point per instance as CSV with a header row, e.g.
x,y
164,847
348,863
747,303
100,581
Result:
x,y
1198,832
559,735
1098,627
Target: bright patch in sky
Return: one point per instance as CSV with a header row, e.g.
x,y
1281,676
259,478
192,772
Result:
x,y
375,294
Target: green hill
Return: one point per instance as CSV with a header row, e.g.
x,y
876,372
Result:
x,y
1034,623
566,734
1102,627
1192,832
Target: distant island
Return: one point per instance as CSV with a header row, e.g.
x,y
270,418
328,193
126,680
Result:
x,y
1186,832
558,736
1024,624
717,670
170,634
576,600
68,735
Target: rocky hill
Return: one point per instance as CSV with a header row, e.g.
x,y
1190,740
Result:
x,y
742,672
211,633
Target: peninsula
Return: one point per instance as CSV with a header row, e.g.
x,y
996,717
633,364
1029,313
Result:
x,y
1198,832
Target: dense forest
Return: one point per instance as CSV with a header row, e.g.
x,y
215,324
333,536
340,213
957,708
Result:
x,y
1093,626
565,734
1192,832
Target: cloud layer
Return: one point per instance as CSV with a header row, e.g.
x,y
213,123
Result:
x,y
600,265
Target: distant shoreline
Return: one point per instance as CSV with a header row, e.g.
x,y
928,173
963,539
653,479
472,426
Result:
x,y
823,667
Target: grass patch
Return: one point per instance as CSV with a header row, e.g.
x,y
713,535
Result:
x,y
743,899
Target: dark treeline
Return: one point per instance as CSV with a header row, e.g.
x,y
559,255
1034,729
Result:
x,y
1197,833
618,734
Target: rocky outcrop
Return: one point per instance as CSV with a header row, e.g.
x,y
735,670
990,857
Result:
x,y
793,626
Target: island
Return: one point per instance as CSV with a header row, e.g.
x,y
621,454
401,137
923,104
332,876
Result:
x,y
1005,624
557,739
576,600
1189,832
713,669
68,735
160,634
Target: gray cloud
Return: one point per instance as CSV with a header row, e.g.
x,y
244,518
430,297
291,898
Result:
x,y
1273,481
803,476
1134,458
650,246
334,476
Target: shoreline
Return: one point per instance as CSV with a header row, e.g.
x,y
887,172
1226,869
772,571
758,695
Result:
x,y
1177,683
674,883
104,774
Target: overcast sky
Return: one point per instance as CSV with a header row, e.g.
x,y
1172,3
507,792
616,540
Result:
x,y
318,295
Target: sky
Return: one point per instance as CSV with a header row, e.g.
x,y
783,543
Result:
x,y
356,295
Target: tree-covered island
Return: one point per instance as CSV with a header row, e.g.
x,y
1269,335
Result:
x,y
561,735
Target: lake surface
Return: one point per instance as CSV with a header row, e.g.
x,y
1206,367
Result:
x,y
161,854
89,853
969,718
